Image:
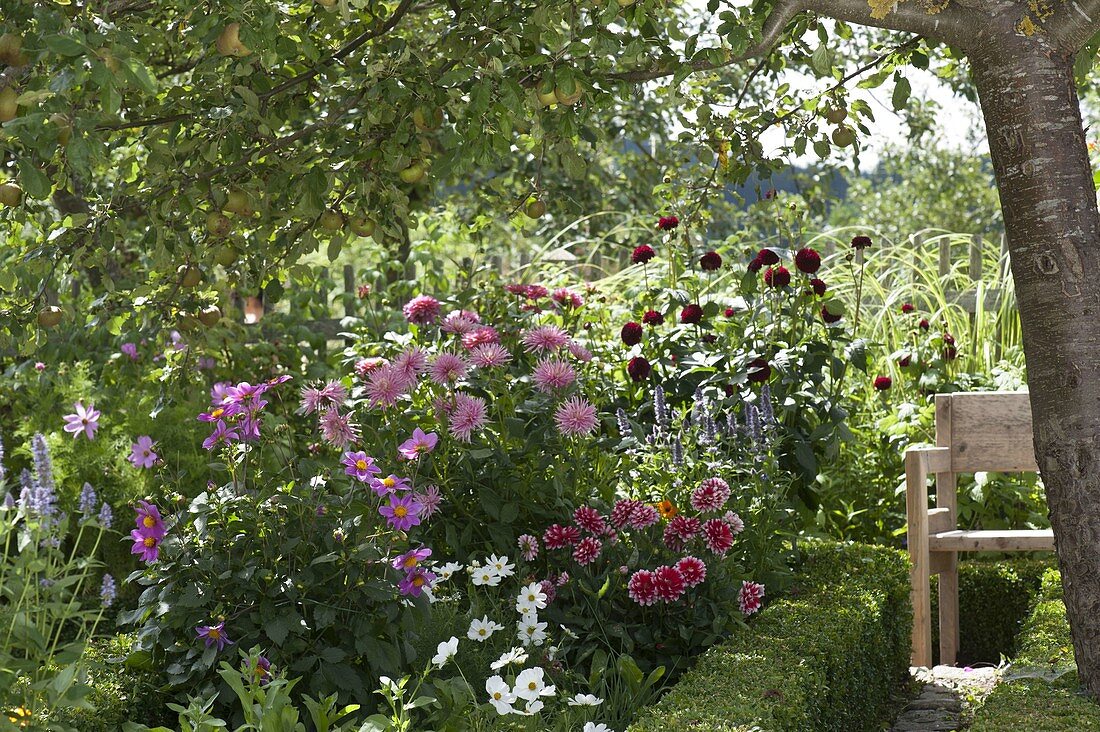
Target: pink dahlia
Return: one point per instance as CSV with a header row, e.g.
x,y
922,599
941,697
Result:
x,y
670,583
680,530
587,550
576,417
645,516
468,415
718,536
693,570
734,522
711,495
364,366
590,520
412,363
480,336
566,298
460,322
528,547
552,374
490,355
544,339
337,429
579,352
642,587
623,511
386,385
751,597
447,368
421,309
430,500
559,537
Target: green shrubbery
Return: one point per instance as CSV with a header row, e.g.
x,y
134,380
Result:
x,y
1040,693
843,637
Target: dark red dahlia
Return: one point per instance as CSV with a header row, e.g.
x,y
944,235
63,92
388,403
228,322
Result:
x,y
767,257
829,317
667,223
950,353
907,307
590,520
923,324
639,368
631,333
710,261
770,194
818,286
691,314
710,338
861,242
949,339
729,312
905,360
777,276
652,317
883,383
807,260
756,264
759,370
559,537
642,254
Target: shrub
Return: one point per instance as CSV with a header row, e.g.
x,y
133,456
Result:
x,y
844,635
1040,692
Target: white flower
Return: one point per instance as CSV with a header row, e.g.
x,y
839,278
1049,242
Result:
x,y
481,630
487,576
530,685
500,564
524,609
500,695
593,727
317,481
534,707
516,655
447,571
445,651
585,700
531,596
531,631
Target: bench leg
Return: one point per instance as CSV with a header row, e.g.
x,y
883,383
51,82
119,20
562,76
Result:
x,y
916,511
949,609
921,596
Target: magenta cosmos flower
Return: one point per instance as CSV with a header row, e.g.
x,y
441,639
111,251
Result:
x,y
389,484
85,419
141,453
402,512
214,635
415,582
421,309
411,559
576,417
420,443
147,548
148,520
359,466
221,434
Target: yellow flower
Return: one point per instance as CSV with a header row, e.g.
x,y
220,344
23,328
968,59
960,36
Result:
x,y
667,509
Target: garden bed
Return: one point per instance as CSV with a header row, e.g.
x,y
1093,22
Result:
x,y
828,657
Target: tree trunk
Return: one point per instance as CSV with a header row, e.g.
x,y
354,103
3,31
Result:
x,y
1036,139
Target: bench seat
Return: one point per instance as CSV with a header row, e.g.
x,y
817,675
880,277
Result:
x,y
1034,540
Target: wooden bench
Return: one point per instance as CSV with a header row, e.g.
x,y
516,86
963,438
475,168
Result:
x,y
975,431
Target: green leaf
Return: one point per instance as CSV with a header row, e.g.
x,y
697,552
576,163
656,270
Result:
x,y
35,183
902,90
65,45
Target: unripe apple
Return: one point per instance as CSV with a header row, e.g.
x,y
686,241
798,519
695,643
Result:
x,y
625,3
218,224
361,226
326,4
836,115
426,121
413,174
331,220
843,136
535,209
11,47
210,315
186,322
546,98
568,99
9,106
226,255
229,42
49,316
64,128
11,194
190,275
237,201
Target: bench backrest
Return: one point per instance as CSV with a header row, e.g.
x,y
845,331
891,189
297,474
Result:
x,y
986,431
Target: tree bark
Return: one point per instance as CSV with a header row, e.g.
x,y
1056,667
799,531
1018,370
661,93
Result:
x,y
1037,143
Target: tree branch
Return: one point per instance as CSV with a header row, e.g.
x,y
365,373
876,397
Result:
x,y
1074,23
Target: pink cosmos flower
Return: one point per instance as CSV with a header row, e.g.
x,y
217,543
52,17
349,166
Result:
x,y
552,374
693,570
85,420
642,587
411,558
566,298
447,368
468,414
421,309
590,520
528,547
419,444
717,536
214,635
645,516
149,521
680,530
141,453
587,550
415,582
389,484
734,522
559,537
490,355
401,513
147,548
711,495
337,429
429,499
750,597
576,417
623,511
479,337
670,583
130,350
359,466
221,434
386,385
579,352
544,339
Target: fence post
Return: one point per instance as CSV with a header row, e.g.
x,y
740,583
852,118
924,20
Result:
x,y
945,256
975,258
918,247
349,290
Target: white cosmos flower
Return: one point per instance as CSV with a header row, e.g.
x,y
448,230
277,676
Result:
x,y
500,695
530,685
531,596
481,630
534,707
500,564
445,651
516,655
487,576
447,571
531,631
585,700
318,481
593,727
